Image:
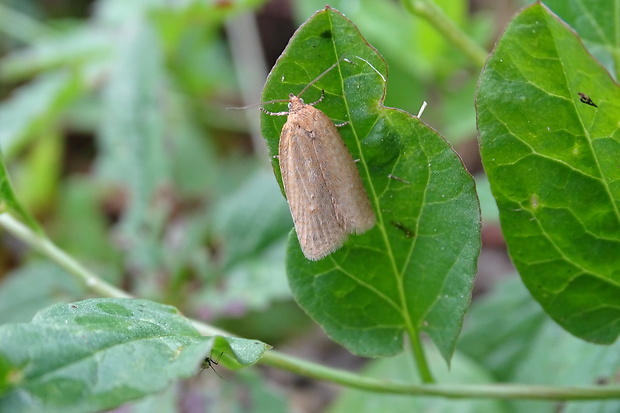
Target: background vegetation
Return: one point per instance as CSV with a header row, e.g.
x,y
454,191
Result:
x,y
116,138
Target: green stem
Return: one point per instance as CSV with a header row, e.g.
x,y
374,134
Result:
x,y
42,244
275,359
616,58
436,17
495,391
418,354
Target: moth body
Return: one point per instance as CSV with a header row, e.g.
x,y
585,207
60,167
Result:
x,y
323,187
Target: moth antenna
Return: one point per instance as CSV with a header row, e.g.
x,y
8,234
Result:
x,y
287,100
321,75
320,99
253,105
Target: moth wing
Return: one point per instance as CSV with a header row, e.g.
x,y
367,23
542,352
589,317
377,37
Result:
x,y
351,204
318,228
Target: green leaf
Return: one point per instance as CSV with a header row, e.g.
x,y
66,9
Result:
x,y
34,108
239,352
413,271
97,354
165,401
552,162
593,23
9,202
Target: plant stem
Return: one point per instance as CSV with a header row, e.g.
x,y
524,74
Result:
x,y
616,58
39,242
496,391
436,17
418,354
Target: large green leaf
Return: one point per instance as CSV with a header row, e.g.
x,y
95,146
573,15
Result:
x,y
413,271
96,354
552,162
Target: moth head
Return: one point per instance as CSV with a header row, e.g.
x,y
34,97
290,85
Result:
x,y
295,102
290,102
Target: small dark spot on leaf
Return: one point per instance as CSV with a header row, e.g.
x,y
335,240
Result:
x,y
327,34
408,233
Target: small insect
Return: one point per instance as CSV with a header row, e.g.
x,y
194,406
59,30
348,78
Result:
x,y
323,187
397,178
406,231
209,362
586,99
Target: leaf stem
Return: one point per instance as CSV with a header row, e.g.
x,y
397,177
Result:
x,y
308,369
418,354
615,52
442,23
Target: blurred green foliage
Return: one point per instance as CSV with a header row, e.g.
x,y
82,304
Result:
x,y
115,133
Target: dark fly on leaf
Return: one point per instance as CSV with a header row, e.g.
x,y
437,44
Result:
x,y
586,99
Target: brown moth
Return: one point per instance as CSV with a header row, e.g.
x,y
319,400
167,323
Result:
x,y
323,187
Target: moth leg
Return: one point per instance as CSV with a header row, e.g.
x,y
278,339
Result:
x,y
273,113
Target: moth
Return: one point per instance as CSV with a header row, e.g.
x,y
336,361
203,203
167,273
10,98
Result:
x,y
323,187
